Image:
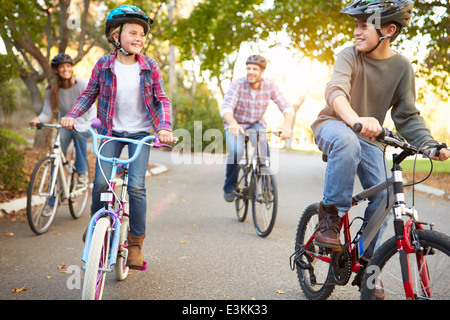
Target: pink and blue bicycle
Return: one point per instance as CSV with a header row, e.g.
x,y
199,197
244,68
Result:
x,y
105,246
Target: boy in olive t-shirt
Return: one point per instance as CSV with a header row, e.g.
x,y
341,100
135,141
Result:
x,y
368,79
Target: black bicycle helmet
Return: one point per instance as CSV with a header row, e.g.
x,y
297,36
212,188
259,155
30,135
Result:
x,y
399,11
257,59
61,58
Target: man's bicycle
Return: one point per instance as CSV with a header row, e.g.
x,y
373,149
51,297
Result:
x,y
256,182
53,180
413,264
106,238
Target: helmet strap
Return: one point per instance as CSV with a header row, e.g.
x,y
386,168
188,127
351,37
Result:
x,y
119,46
380,39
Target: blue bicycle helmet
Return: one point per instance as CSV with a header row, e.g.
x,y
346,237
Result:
x,y
127,14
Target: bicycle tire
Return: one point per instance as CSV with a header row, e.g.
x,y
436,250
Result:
x,y
79,194
97,261
264,202
437,262
241,193
320,288
41,206
121,268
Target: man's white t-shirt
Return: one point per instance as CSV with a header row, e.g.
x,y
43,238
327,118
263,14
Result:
x,y
130,114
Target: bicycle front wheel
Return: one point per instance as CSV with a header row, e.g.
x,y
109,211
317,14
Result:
x,y
241,193
264,202
42,203
97,261
79,193
428,269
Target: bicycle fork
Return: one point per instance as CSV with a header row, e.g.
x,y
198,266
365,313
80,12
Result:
x,y
406,245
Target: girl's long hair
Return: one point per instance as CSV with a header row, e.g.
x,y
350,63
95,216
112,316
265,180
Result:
x,y
54,85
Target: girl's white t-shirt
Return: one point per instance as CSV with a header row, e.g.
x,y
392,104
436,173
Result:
x,y
130,114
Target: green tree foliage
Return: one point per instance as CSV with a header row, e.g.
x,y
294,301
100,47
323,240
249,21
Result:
x,y
316,28
12,154
30,28
216,29
196,113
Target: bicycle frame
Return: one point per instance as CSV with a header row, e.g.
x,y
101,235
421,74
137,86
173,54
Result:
x,y
59,163
115,213
394,200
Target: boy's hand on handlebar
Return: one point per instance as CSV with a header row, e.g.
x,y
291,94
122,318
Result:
x,y
370,127
165,136
67,123
444,154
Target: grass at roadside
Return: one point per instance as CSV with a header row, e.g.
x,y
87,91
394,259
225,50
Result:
x,y
423,165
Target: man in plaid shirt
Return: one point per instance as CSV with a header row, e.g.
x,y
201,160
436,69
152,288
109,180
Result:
x,y
243,108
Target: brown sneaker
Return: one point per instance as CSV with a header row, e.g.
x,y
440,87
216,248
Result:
x,y
329,226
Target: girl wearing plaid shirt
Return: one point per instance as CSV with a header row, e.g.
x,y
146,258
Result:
x,y
131,101
243,108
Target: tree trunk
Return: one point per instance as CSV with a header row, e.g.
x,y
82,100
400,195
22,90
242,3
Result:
x,y
42,138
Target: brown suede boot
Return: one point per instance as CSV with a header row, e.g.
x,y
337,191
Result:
x,y
135,257
329,226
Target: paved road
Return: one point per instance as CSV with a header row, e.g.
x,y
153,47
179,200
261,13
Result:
x,y
195,247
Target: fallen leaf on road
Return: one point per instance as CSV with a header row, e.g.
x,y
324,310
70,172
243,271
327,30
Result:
x,y
9,234
280,292
17,290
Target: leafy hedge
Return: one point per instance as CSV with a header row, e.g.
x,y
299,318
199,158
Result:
x,y
12,155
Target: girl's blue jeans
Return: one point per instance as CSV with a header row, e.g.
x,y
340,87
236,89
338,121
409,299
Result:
x,y
136,179
349,156
79,140
236,147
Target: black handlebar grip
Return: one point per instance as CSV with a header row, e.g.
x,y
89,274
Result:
x,y
357,127
39,125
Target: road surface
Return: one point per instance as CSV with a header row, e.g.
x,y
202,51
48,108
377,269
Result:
x,y
195,247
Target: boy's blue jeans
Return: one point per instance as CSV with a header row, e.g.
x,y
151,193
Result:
x,y
236,147
136,179
79,140
349,156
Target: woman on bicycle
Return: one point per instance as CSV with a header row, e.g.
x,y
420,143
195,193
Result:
x,y
131,102
59,98
369,78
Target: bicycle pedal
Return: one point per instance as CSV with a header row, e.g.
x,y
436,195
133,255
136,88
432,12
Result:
x,y
142,268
